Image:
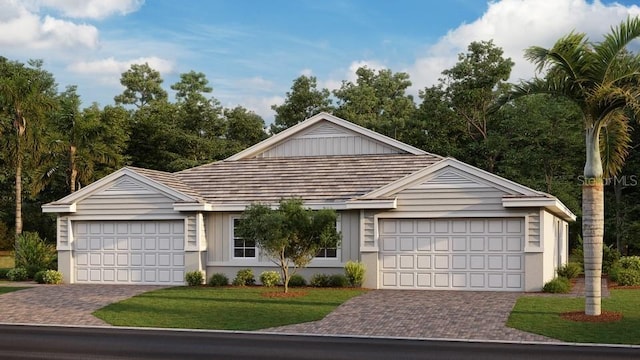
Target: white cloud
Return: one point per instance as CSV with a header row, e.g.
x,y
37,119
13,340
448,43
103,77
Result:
x,y
92,9
22,28
256,83
335,80
515,25
306,72
113,66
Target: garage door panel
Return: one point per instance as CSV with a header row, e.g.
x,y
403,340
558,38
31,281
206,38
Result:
x,y
457,254
140,252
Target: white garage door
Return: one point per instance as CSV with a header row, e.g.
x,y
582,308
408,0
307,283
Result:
x,y
458,254
129,252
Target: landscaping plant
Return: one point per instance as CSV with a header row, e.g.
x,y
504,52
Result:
x,y
17,274
559,285
354,271
297,280
569,270
194,278
33,254
218,279
52,277
244,277
270,278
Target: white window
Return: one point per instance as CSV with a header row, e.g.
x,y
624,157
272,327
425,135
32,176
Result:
x,y
242,249
330,252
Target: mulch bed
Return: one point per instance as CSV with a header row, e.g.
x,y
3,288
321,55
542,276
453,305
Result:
x,y
579,316
281,294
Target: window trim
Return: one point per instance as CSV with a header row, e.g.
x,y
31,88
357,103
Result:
x,y
338,248
232,239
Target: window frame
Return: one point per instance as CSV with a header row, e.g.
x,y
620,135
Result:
x,y
337,248
233,238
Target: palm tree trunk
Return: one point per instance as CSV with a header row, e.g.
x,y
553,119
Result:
x,y
592,233
18,195
593,222
73,171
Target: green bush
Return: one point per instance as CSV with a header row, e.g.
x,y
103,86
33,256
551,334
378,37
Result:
x,y
569,270
194,278
52,277
34,254
39,277
338,281
270,278
320,280
609,257
297,280
559,285
630,262
628,277
218,279
244,277
17,274
3,273
354,271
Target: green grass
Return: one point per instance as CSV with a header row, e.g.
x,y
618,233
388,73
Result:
x,y
228,308
8,289
541,315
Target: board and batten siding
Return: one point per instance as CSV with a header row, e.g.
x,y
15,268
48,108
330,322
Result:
x,y
218,231
324,139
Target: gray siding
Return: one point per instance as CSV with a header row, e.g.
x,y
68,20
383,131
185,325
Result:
x,y
126,197
350,228
368,229
533,240
63,233
327,139
191,232
444,201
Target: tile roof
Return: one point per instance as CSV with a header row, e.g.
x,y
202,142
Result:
x,y
170,180
314,179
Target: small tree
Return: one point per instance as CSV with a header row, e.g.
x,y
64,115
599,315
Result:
x,y
290,235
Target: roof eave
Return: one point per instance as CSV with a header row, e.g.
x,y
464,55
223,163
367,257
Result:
x,y
59,208
552,204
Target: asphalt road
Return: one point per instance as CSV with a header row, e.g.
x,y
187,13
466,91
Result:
x,y
48,342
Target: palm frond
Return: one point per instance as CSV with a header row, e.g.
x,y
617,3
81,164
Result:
x,y
615,141
607,52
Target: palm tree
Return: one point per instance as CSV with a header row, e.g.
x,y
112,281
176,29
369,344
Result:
x,y
603,80
25,95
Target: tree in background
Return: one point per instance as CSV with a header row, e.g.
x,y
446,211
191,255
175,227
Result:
x,y
26,94
470,88
377,101
143,85
244,128
289,235
603,80
302,102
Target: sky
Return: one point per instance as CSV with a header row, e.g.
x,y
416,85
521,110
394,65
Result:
x,y
252,50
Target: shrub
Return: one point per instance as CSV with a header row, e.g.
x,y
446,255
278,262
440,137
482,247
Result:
x,y
270,278
244,277
609,257
17,274
34,254
569,270
3,273
219,279
628,277
297,280
338,281
354,271
38,277
194,278
559,285
52,277
630,262
320,280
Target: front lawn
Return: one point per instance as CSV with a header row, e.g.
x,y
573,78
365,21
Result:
x,y
541,315
8,289
228,308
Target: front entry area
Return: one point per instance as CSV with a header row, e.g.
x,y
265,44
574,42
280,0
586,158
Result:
x,y
129,252
452,254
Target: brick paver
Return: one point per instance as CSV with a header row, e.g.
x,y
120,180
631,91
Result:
x,y
422,314
63,304
397,313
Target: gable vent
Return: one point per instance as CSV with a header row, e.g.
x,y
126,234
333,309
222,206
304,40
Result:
x,y
126,186
325,130
450,179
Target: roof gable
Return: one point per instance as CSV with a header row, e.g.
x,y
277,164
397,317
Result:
x,y
451,173
326,135
123,181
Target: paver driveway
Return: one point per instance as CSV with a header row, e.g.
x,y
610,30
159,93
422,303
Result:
x,y
63,304
422,314
419,314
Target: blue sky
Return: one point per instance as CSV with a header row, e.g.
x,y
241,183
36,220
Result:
x,y
252,50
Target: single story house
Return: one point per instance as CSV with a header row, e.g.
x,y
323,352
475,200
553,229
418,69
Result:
x,y
415,219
